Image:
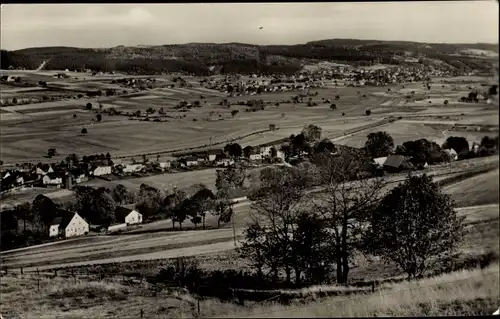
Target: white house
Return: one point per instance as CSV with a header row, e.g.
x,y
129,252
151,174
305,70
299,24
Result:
x,y
52,179
42,172
132,168
165,165
379,161
265,151
191,161
102,170
127,216
255,157
68,224
224,162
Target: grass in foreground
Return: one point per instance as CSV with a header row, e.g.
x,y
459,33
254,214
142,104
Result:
x,y
460,293
472,292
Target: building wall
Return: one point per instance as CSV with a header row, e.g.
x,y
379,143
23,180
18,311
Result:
x,y
55,181
103,170
76,227
134,217
165,164
132,168
53,230
255,157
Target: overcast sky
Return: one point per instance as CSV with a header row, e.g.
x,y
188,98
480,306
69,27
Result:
x,y
107,25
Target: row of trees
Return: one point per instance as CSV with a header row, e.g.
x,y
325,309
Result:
x,y
98,206
381,144
313,239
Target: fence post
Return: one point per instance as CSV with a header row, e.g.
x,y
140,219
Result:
x,y
38,283
198,299
55,272
38,272
373,286
22,271
142,312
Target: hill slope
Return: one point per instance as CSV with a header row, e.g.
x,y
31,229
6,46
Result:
x,y
248,58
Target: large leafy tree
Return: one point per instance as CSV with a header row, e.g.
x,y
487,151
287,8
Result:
x,y
202,202
104,206
379,144
149,201
312,133
232,177
325,146
120,194
422,151
44,209
415,226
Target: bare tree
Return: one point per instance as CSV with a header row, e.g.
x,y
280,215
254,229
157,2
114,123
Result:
x,y
274,214
344,205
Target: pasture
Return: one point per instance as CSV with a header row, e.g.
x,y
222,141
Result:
x,y
478,190
51,124
456,293
402,131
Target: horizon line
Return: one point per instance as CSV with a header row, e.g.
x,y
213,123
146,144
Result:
x,y
252,44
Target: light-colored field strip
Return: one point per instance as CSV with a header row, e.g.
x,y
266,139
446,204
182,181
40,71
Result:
x,y
145,97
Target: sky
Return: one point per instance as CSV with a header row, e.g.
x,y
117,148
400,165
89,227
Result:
x,y
109,25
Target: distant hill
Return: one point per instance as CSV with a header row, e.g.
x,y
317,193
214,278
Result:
x,y
247,58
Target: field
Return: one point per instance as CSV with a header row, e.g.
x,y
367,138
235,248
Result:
x,y
51,124
402,131
457,293
478,190
157,240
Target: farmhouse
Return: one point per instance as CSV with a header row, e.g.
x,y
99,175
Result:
x,y
68,224
165,165
191,161
132,168
396,163
255,157
212,154
224,162
43,170
53,179
102,170
379,161
127,216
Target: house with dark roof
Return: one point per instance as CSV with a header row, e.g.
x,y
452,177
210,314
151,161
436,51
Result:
x,y
44,169
212,154
396,163
68,224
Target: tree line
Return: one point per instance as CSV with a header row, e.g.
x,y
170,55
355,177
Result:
x,y
313,238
